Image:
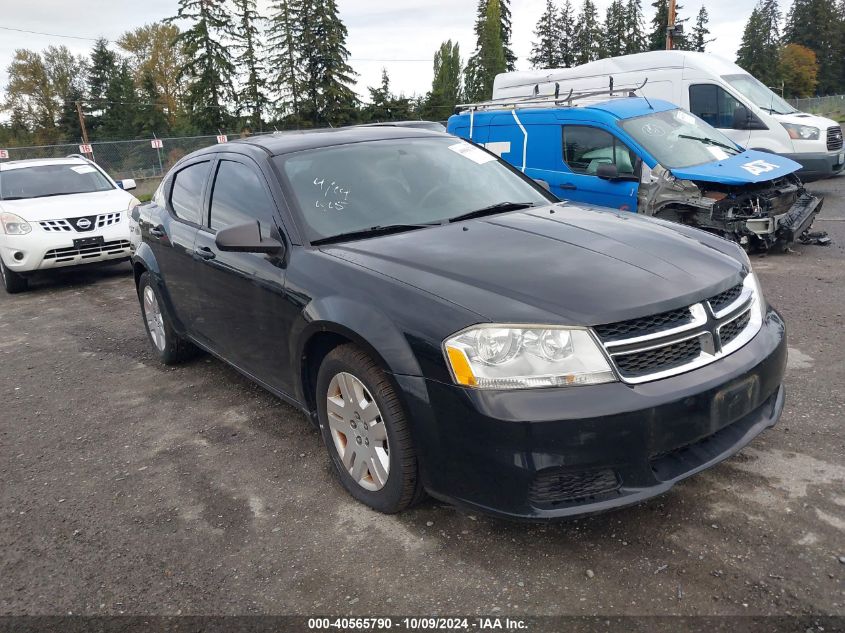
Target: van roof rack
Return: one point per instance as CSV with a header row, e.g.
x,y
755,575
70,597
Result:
x,y
553,100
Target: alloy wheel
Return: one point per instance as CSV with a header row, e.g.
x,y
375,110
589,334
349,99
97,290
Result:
x,y
358,431
154,318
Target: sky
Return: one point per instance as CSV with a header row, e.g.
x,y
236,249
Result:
x,y
380,33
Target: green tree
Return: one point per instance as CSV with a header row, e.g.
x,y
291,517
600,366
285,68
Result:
x,y
799,70
384,105
817,25
635,37
71,129
489,59
208,68
155,56
285,58
659,24
247,42
546,53
121,112
151,118
506,28
100,73
698,39
446,86
588,34
328,95
567,32
615,32
759,50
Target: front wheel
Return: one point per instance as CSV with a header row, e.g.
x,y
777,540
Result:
x,y
366,431
12,281
167,344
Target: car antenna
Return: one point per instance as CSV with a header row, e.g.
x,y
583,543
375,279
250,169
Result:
x,y
640,87
557,90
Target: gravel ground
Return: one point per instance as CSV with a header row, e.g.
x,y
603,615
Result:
x,y
128,487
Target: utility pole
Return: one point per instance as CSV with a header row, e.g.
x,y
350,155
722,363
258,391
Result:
x,y
82,122
670,25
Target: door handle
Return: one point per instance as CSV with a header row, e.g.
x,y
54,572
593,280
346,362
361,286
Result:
x,y
157,231
568,186
203,252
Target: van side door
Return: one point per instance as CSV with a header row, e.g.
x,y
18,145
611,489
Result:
x,y
583,149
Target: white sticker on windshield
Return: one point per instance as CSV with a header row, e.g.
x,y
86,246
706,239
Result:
x,y
471,152
718,152
84,169
684,117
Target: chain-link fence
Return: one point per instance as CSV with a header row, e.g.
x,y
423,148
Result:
x,y
829,106
139,159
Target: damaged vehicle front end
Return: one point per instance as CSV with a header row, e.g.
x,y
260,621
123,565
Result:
x,y
701,178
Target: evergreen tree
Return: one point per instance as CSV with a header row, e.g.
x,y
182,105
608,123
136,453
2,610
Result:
x,y
384,105
659,24
506,28
329,97
151,118
69,118
100,73
567,35
635,38
588,34
816,24
615,29
446,86
489,59
247,44
759,51
286,57
120,115
208,67
698,40
546,53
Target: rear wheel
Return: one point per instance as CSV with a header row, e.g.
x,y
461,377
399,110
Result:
x,y
366,431
12,281
167,344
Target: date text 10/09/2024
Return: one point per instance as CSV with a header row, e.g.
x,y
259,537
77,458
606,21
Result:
x,y
418,624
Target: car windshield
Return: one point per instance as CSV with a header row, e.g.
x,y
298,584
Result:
x,y
759,94
677,138
38,181
409,182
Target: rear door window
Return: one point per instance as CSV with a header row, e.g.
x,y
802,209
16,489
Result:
x,y
585,148
714,104
239,196
186,197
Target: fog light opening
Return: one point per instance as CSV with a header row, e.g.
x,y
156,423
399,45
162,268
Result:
x,y
18,256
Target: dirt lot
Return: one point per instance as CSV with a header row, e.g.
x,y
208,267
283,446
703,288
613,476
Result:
x,y
128,487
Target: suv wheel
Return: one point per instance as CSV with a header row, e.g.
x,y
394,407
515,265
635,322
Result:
x,y
366,431
12,281
168,345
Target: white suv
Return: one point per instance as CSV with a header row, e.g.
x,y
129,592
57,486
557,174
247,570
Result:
x,y
60,212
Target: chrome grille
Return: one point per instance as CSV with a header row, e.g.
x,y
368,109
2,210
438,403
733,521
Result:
x,y
670,343
55,226
69,225
62,255
107,219
834,137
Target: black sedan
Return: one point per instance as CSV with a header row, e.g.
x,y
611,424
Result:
x,y
454,329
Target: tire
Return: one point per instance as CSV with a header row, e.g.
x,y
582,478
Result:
x,y
402,487
12,281
170,348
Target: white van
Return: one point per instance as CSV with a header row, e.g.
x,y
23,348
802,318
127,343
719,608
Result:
x,y
716,90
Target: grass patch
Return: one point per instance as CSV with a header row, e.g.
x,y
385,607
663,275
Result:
x,y
144,197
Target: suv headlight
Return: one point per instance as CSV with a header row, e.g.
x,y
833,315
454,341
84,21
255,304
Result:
x,y
802,132
13,224
523,357
758,301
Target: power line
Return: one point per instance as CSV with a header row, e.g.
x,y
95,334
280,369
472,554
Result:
x,y
72,37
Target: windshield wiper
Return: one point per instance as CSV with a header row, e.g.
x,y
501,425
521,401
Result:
x,y
499,207
709,141
373,231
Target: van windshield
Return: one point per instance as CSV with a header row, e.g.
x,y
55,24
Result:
x,y
677,138
759,94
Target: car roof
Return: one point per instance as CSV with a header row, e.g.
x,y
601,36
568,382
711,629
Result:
x,y
620,108
295,141
36,162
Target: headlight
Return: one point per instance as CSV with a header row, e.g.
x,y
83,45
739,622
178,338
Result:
x,y
522,357
758,301
13,224
802,132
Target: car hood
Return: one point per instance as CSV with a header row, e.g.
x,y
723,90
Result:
x,y
559,264
750,166
803,118
72,206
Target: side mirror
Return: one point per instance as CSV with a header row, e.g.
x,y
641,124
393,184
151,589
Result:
x,y
607,171
246,238
126,184
543,184
741,118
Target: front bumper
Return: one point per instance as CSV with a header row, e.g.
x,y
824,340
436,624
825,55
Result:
x,y
43,250
817,165
554,453
799,218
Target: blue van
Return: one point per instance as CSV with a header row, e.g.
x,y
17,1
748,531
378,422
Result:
x,y
649,157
